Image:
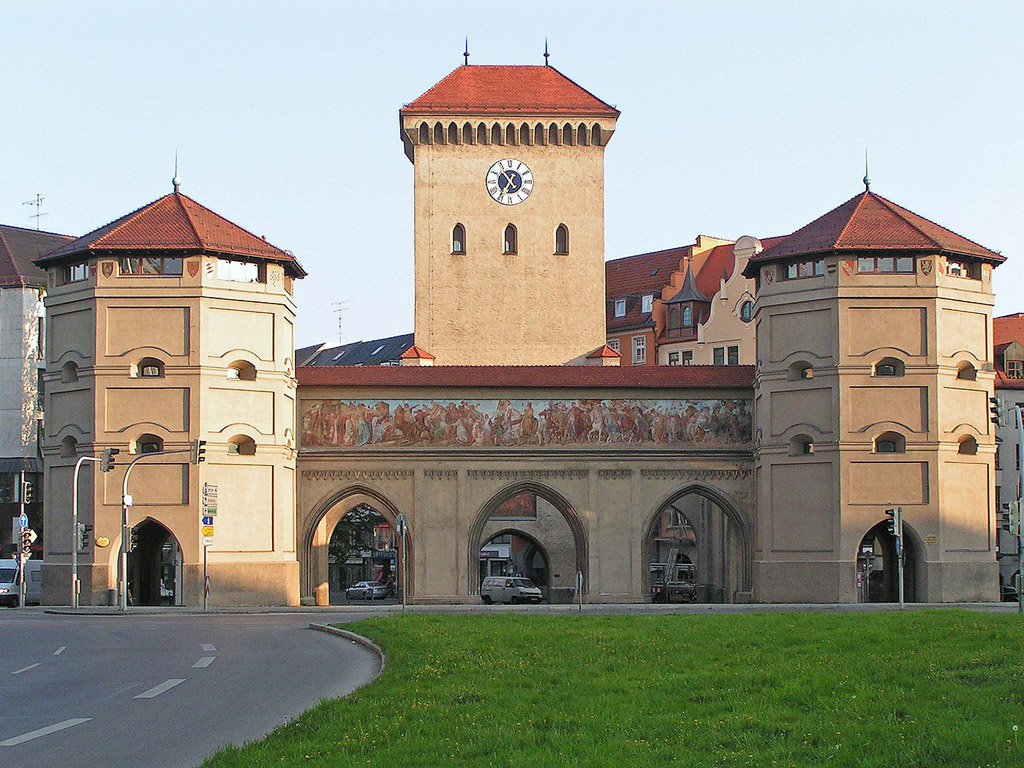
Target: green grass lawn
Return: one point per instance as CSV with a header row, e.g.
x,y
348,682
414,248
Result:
x,y
919,688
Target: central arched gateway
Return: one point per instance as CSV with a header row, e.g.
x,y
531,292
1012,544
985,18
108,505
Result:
x,y
314,541
700,527
509,511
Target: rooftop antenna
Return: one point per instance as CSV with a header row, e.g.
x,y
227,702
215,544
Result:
x,y
340,307
546,54
465,53
176,182
38,203
867,179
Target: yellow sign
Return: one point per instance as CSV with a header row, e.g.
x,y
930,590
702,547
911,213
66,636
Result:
x,y
102,541
207,530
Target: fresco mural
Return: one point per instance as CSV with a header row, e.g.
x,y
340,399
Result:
x,y
517,423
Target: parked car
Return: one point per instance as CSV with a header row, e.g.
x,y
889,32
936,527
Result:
x,y
367,590
509,589
9,587
1009,593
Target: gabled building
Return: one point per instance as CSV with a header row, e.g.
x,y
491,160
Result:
x,y
1008,341
22,363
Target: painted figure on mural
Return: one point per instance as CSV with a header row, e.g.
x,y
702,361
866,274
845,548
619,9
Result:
x,y
509,423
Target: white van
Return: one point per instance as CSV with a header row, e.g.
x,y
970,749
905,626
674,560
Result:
x,y
509,589
9,587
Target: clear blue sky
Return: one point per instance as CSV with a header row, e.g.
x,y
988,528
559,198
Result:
x,y
737,118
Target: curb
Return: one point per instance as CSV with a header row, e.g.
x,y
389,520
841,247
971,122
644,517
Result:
x,y
358,639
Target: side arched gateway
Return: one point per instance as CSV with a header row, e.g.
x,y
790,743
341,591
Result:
x,y
697,547
314,544
542,519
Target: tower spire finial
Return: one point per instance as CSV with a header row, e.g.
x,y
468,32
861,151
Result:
x,y
546,54
867,179
176,182
465,53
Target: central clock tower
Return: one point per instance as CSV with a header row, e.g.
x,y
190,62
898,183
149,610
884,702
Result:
x,y
509,216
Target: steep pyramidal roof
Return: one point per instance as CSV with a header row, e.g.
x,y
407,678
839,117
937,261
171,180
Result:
x,y
18,247
869,222
482,89
174,222
688,291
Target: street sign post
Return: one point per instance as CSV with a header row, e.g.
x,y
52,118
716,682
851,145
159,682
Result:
x,y
401,525
579,588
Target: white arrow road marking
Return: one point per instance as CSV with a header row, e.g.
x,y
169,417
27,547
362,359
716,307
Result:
x,y
26,669
204,662
60,650
208,647
158,689
12,742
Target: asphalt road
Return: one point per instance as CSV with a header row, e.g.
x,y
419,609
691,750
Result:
x,y
161,691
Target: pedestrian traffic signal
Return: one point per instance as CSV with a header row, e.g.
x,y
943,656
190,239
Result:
x,y
27,492
197,452
997,411
107,462
84,532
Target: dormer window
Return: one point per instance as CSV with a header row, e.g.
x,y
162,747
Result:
x,y
151,266
647,304
1015,369
239,271
687,317
75,273
620,307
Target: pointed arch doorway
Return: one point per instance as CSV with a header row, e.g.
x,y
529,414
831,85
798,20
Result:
x,y
154,566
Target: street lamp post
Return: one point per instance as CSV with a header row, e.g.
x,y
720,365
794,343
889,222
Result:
x,y
106,464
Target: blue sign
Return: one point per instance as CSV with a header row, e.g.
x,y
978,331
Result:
x,y
207,519
23,520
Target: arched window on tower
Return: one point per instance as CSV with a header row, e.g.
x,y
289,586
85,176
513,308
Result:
x,y
562,239
459,239
567,135
553,134
453,133
467,134
424,134
495,134
481,134
687,316
438,133
538,135
524,134
511,240
510,135
582,135
595,135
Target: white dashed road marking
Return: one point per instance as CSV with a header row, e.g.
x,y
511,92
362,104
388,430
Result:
x,y
204,662
14,741
209,647
60,650
158,689
26,669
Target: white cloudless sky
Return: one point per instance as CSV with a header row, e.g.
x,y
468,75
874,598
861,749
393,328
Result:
x,y
737,118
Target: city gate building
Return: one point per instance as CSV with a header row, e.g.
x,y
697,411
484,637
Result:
x,y
873,368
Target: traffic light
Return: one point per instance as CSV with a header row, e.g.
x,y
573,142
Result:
x,y
26,542
1013,517
997,412
133,539
891,514
27,492
107,463
197,452
83,535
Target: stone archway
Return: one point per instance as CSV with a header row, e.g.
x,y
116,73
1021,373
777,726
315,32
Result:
x,y
528,557
738,527
154,565
878,569
315,537
562,505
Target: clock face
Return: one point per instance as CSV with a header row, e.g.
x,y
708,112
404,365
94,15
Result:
x,y
509,182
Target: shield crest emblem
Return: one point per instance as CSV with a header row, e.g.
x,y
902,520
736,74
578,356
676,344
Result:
x,y
108,268
193,268
926,267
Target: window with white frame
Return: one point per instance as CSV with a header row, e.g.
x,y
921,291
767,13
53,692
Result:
x,y
639,350
620,307
613,344
648,304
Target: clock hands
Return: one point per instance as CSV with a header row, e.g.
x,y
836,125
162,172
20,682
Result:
x,y
511,182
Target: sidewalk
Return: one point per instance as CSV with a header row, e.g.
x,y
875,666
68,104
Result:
x,y
601,609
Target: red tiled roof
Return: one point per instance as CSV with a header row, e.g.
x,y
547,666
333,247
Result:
x,y
709,278
869,222
482,89
633,277
18,247
604,351
546,376
1008,328
415,353
174,223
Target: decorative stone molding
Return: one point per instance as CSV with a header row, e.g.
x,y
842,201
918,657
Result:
x,y
357,474
696,474
441,474
514,474
615,473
